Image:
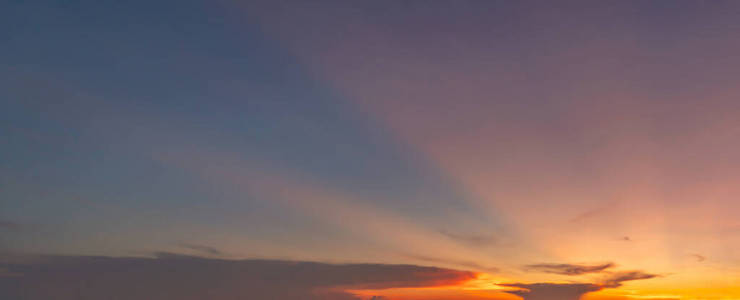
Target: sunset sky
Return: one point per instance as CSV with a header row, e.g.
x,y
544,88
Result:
x,y
394,150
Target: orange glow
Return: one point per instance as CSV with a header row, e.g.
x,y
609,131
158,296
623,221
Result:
x,y
483,286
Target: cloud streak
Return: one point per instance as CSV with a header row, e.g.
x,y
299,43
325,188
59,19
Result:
x,y
698,257
471,240
455,262
569,269
615,279
207,250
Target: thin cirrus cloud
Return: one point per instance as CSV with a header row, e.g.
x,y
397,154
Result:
x,y
202,249
569,269
616,279
459,263
470,239
698,257
172,276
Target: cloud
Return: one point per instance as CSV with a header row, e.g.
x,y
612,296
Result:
x,y
698,257
472,240
207,250
455,262
594,213
616,278
573,291
552,291
173,276
569,269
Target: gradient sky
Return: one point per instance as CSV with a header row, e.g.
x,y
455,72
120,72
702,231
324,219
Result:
x,y
398,150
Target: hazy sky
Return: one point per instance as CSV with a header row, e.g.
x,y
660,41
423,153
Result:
x,y
354,149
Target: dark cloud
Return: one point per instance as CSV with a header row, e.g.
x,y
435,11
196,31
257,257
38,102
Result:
x,y
698,257
172,276
207,250
573,291
616,278
552,291
471,240
569,269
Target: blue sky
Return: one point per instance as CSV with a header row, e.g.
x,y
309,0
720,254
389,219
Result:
x,y
97,92
484,137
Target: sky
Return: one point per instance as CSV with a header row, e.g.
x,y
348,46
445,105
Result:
x,y
370,150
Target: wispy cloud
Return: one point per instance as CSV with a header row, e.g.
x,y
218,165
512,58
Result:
x,y
201,249
471,239
454,262
594,212
617,278
698,257
569,269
